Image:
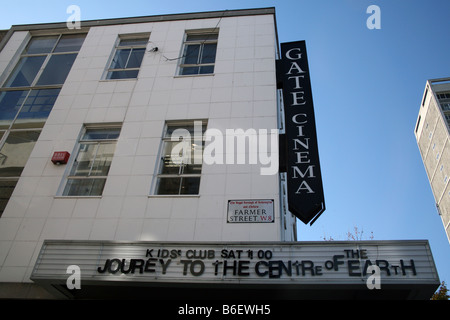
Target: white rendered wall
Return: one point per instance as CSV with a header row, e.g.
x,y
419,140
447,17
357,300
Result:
x,y
241,94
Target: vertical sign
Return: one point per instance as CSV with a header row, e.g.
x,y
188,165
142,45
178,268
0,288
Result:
x,y
304,179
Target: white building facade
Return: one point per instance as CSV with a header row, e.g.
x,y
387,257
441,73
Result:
x,y
111,94
432,133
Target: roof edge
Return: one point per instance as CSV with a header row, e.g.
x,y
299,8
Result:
x,y
153,18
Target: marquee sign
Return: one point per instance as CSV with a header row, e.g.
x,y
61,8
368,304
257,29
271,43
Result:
x,y
290,263
304,180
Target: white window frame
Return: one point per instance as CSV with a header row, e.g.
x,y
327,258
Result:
x,y
74,156
117,46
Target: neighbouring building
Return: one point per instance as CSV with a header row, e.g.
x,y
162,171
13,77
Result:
x,y
139,159
432,133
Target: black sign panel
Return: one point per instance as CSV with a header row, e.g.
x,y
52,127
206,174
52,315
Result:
x,y
304,179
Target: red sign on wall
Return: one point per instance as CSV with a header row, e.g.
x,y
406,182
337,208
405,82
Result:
x,y
60,157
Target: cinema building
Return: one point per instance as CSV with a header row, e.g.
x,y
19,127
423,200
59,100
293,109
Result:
x,y
140,158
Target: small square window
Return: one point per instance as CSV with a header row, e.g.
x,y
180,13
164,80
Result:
x,y
127,58
199,53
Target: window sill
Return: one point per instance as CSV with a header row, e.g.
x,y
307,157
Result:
x,y
125,79
174,196
194,75
77,197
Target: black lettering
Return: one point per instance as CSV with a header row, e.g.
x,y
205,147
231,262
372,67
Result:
x,y
383,265
258,272
226,267
137,264
411,266
197,263
164,265
353,265
149,264
307,265
243,267
112,269
336,261
99,269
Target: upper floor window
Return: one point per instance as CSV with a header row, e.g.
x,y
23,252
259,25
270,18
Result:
x,y
181,158
90,168
46,60
127,58
199,53
26,100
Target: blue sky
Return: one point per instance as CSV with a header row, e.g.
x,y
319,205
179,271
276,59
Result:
x,y
367,87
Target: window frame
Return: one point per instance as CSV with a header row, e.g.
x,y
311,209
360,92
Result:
x,y
207,33
11,125
70,166
117,47
48,56
181,174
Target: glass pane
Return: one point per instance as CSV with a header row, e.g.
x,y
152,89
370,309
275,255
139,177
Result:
x,y
209,53
168,186
10,102
191,54
16,151
41,45
206,69
57,69
70,42
136,58
189,70
130,74
93,159
36,109
103,158
169,166
133,42
25,71
6,190
202,37
101,134
190,185
83,163
84,187
183,130
120,59
195,164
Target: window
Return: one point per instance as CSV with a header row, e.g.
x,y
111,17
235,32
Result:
x,y
46,60
199,53
26,100
127,58
181,159
90,168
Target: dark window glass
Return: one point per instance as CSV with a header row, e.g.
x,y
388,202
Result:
x,y
25,71
84,187
57,69
6,190
39,45
69,43
15,152
10,102
36,108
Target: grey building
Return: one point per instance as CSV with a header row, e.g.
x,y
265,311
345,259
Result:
x,y
432,133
